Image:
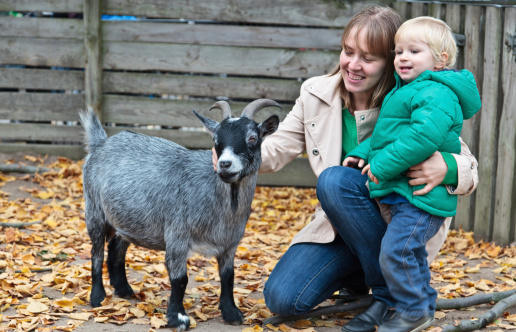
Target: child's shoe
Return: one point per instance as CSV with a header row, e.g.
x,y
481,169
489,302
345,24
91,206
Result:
x,y
400,324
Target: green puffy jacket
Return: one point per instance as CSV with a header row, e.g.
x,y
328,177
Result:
x,y
416,120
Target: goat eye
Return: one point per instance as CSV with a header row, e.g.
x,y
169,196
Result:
x,y
252,138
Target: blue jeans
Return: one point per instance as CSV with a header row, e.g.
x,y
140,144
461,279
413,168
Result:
x,y
309,273
403,259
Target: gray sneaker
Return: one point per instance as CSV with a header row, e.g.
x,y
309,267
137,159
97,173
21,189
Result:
x,y
400,324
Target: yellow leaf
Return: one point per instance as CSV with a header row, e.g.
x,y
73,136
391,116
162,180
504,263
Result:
x,y
64,303
256,328
51,223
80,316
157,322
301,324
36,307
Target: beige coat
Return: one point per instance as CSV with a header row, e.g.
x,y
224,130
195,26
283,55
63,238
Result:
x,y
315,125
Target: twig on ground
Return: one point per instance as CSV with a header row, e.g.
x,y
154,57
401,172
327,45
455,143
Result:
x,y
487,318
45,269
364,301
19,224
7,168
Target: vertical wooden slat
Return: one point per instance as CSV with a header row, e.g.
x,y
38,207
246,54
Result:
x,y
453,19
435,10
402,8
473,61
92,45
488,124
504,214
418,9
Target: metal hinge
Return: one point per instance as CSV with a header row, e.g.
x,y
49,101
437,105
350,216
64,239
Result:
x,y
511,44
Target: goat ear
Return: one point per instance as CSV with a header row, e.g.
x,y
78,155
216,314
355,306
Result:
x,y
268,126
210,124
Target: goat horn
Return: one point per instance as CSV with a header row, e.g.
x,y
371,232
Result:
x,y
256,105
224,107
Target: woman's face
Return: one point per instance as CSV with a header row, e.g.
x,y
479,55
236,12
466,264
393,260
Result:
x,y
361,71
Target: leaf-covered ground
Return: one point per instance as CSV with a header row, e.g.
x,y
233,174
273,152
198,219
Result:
x,y
45,267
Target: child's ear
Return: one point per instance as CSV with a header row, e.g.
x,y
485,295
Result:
x,y
442,63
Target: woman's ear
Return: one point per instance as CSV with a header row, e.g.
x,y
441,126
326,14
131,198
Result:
x,y
442,63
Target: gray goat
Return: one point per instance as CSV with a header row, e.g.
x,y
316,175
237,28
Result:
x,y
159,195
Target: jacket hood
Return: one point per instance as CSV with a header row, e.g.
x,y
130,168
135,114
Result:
x,y
462,83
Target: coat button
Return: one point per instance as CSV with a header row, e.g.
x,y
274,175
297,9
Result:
x,y
362,117
472,166
312,124
315,152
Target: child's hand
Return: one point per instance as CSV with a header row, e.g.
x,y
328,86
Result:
x,y
367,169
353,162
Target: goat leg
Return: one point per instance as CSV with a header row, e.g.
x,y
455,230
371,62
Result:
x,y
230,313
176,265
117,248
98,293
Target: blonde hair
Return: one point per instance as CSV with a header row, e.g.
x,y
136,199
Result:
x,y
380,24
433,32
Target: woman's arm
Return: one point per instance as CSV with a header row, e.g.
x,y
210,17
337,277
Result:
x,y
433,170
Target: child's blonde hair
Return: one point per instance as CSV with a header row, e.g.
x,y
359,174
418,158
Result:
x,y
432,31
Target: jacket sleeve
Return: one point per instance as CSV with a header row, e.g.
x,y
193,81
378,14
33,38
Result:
x,y
430,122
467,167
362,150
286,143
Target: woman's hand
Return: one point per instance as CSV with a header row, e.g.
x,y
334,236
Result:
x,y
367,169
214,158
353,162
430,172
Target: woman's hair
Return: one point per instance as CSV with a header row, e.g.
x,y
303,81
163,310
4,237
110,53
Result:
x,y
433,32
380,24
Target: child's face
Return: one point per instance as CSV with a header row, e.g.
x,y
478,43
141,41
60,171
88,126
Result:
x,y
412,58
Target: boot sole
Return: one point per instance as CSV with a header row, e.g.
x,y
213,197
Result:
x,y
427,324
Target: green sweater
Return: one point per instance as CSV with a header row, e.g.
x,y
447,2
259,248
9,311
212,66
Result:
x,y
416,120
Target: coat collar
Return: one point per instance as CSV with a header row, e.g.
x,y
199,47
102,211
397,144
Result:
x,y
328,91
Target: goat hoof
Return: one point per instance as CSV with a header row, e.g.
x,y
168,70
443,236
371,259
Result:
x,y
233,317
96,298
180,321
124,292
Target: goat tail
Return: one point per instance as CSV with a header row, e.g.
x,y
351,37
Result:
x,y
94,134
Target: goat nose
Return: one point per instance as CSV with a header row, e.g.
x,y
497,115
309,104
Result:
x,y
225,164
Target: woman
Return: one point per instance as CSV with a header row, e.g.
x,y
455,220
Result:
x,y
332,115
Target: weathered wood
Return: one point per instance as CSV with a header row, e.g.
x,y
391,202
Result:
x,y
402,8
75,152
41,79
473,61
505,190
435,10
40,106
32,132
201,86
176,113
489,124
41,27
418,9
218,59
42,52
56,6
289,12
93,55
221,34
456,24
297,173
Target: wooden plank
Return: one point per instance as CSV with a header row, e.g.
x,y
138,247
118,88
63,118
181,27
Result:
x,y
487,156
211,86
41,79
435,10
286,63
456,23
40,106
33,132
41,27
504,209
57,6
75,152
289,12
93,56
176,113
221,34
418,9
297,173
473,61
42,52
402,8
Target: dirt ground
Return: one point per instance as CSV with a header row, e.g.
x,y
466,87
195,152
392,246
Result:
x,y
16,191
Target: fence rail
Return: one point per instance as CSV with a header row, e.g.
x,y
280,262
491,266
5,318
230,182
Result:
x,y
148,74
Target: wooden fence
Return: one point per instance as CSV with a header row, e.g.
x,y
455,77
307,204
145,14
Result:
x,y
148,75
490,54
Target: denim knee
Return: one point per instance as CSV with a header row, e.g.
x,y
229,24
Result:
x,y
277,301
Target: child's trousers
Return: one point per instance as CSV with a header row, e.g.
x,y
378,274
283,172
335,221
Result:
x,y
403,259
